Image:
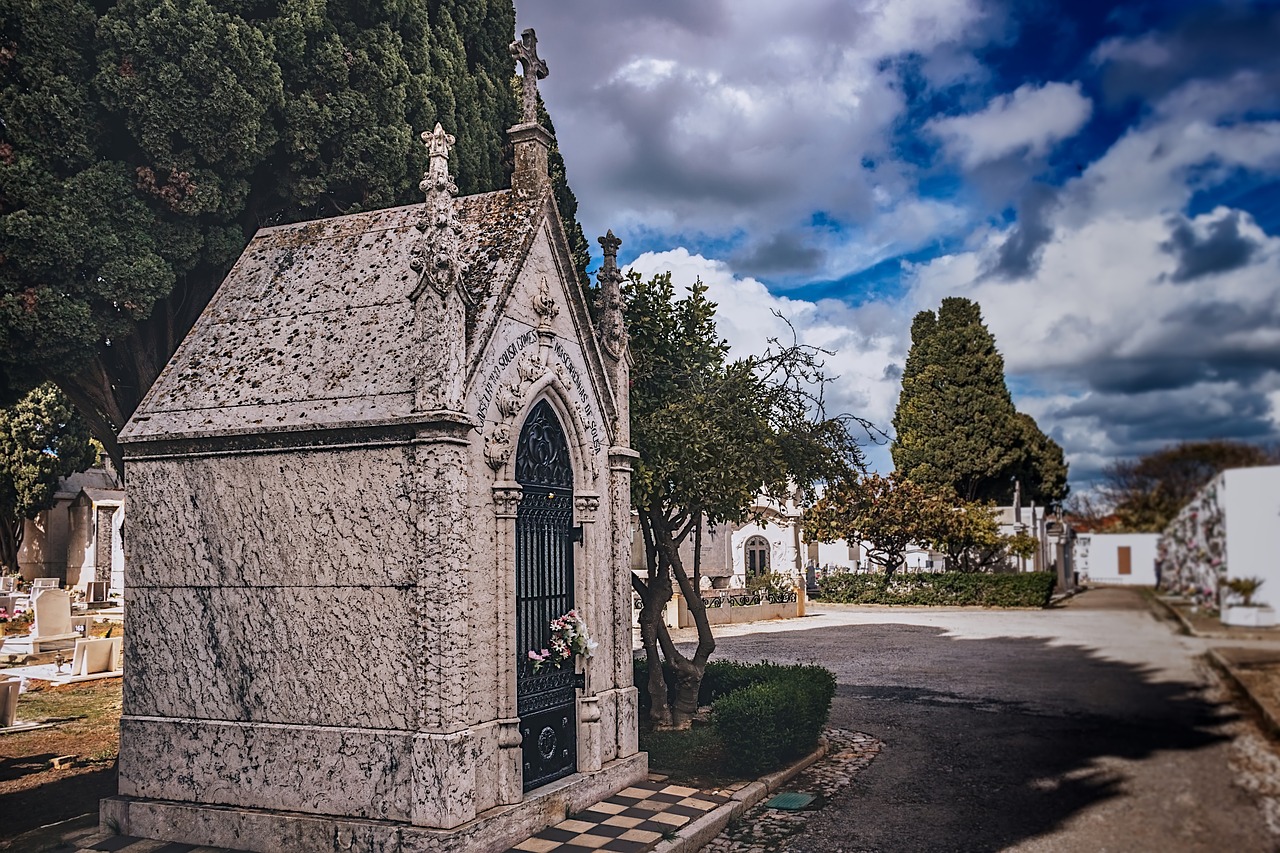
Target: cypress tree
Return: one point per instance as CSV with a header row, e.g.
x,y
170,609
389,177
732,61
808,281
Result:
x,y
956,423
144,141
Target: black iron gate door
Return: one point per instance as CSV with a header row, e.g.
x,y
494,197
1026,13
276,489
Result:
x,y
544,591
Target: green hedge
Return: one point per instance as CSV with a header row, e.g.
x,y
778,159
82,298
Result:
x,y
1028,589
777,719
763,714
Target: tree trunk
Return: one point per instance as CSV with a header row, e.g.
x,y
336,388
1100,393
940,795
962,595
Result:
x,y
689,672
654,596
10,543
111,386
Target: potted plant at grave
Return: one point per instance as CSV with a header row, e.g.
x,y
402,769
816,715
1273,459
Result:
x,y
1245,612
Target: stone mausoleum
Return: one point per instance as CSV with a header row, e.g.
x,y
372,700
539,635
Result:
x,y
393,448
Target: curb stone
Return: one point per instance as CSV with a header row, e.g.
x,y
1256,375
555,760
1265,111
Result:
x,y
1265,709
698,834
838,747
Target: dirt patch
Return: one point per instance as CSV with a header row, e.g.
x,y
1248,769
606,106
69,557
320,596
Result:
x,y
86,727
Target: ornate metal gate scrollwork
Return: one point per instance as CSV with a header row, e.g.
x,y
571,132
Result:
x,y
544,590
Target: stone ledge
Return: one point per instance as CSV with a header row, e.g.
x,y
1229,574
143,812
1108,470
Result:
x,y
265,831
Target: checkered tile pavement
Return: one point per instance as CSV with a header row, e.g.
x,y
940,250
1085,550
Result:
x,y
631,821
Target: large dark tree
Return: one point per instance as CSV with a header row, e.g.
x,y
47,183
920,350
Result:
x,y
42,440
1147,493
956,423
144,141
712,435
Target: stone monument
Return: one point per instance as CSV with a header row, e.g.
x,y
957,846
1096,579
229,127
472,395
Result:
x,y
391,451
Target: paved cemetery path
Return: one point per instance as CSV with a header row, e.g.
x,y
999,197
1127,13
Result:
x,y
1088,727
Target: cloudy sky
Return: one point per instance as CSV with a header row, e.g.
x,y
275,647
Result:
x,y
1102,178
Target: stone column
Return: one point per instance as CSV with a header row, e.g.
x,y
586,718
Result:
x,y
593,577
443,754
627,716
506,502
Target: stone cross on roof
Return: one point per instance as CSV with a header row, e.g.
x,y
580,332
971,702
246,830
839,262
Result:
x,y
526,53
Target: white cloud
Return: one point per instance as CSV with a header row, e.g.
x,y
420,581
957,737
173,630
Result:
x,y
1102,322
738,120
1029,120
1273,397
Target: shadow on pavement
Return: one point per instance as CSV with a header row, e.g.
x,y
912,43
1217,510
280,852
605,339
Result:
x,y
987,742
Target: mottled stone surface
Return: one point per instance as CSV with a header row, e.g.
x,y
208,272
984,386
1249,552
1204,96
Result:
x,y
273,519
272,655
314,325
320,770
269,831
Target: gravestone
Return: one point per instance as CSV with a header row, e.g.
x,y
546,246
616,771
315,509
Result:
x,y
52,622
96,594
9,690
94,656
392,449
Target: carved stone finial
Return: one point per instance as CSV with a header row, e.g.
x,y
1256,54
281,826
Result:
x,y
613,331
525,52
439,143
435,257
610,245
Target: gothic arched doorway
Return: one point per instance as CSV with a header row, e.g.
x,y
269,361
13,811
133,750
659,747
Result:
x,y
544,591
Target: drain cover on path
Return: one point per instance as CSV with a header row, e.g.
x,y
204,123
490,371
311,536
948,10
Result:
x,y
790,800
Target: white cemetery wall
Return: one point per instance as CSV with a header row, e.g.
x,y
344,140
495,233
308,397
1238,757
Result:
x,y
1102,557
782,549
80,551
838,555
44,543
1251,506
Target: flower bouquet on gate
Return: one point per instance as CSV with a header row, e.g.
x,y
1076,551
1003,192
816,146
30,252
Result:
x,y
569,637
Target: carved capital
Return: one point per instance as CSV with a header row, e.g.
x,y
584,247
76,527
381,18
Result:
x,y
589,709
585,507
506,498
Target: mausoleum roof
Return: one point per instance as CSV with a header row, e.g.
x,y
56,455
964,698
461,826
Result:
x,y
313,327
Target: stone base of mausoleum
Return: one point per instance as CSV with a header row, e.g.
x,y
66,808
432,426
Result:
x,y
266,831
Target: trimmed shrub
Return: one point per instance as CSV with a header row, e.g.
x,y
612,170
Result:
x,y
776,718
1028,589
763,714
